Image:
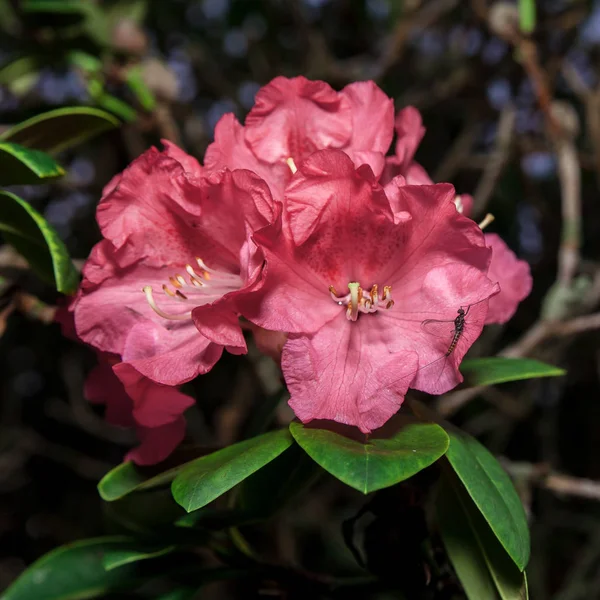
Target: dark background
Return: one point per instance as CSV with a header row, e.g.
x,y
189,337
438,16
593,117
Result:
x,y
204,58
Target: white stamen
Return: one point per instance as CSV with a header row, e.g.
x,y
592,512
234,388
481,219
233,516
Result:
x,y
202,288
292,165
486,221
459,204
362,301
148,291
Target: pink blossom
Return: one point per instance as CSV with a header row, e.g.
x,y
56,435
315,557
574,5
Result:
x,y
162,289
513,276
293,118
342,245
132,400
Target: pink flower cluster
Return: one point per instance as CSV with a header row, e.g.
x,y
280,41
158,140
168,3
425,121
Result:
x,y
349,265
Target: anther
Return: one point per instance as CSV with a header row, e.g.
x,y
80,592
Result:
x,y
486,221
292,165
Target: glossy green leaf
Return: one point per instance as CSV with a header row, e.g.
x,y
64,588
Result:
x,y
20,165
527,15
127,478
72,572
496,369
378,463
276,485
482,565
207,478
132,553
25,229
489,486
60,129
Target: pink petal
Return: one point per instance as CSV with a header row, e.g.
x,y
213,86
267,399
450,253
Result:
x,y
153,404
220,325
269,342
410,132
189,163
436,297
230,150
372,117
415,174
292,118
157,442
514,277
103,387
170,356
293,297
352,373
435,235
147,212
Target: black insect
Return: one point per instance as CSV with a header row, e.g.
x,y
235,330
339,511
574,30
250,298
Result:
x,y
450,331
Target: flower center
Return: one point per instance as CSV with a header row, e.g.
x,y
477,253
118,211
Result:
x,y
359,300
200,287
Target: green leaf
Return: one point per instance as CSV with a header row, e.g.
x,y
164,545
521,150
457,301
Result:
x,y
125,555
209,477
20,165
21,74
72,572
527,15
489,486
109,102
277,484
127,478
25,229
60,129
496,369
378,463
482,565
137,85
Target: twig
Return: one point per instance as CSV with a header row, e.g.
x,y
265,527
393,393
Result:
x,y
496,161
457,153
559,483
539,332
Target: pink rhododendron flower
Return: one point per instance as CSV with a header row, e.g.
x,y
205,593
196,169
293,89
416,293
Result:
x,y
132,400
162,289
294,117
513,275
343,244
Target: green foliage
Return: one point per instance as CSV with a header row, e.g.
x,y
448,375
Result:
x,y
207,478
275,486
527,15
20,165
60,129
482,565
132,553
74,572
493,493
126,478
496,369
25,229
377,463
